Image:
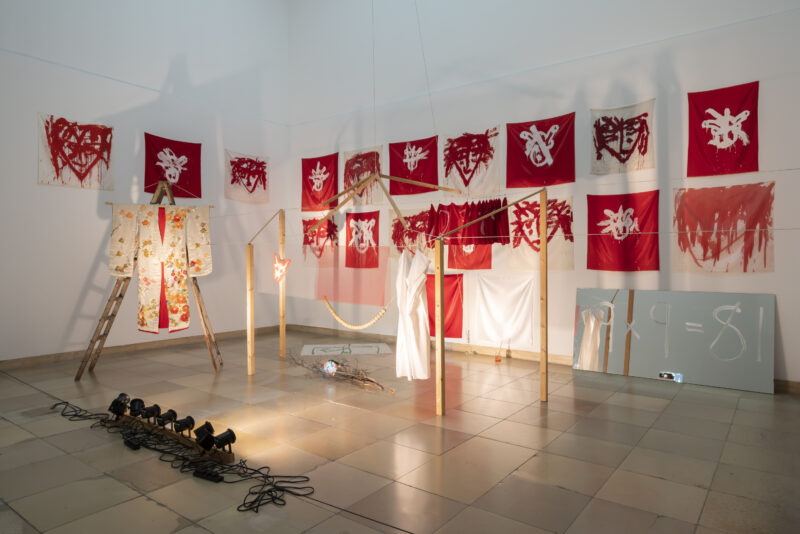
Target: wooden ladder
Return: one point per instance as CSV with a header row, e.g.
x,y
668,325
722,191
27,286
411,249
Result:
x,y
96,344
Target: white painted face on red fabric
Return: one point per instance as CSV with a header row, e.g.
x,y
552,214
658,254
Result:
x,y
361,236
172,164
539,144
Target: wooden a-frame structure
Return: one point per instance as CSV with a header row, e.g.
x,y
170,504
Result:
x,y
96,344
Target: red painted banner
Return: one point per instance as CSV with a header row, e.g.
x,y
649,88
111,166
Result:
x,y
319,182
453,304
623,232
176,162
723,131
415,160
541,153
362,240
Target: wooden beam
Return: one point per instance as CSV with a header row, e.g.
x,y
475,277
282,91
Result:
x,y
627,365
394,205
352,194
282,283
542,295
263,226
495,212
348,190
422,184
439,322
251,329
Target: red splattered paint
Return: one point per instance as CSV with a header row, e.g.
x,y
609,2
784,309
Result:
x,y
621,137
80,147
417,234
715,223
250,173
469,153
525,225
359,167
324,235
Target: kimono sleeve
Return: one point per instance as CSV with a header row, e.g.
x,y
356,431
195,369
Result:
x,y
198,241
123,240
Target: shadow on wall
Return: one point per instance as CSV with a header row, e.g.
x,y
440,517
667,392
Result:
x,y
179,112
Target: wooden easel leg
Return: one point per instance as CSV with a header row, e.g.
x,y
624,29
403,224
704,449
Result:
x,y
439,321
543,296
211,341
93,350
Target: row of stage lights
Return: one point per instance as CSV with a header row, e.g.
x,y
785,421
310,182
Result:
x,y
204,434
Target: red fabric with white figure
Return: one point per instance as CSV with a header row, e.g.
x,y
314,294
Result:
x,y
623,232
319,182
176,162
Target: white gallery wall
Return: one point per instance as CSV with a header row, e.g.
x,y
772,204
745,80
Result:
x,y
200,71
489,63
303,78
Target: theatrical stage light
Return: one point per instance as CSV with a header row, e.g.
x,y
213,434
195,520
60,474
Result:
x,y
225,439
167,417
151,411
137,405
119,405
205,435
187,423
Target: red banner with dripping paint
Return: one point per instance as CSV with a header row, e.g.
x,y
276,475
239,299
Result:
x,y
623,232
362,240
723,131
725,229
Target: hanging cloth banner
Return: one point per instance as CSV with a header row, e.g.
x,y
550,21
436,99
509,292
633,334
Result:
x,y
453,304
74,154
723,131
725,229
526,241
362,240
319,182
471,162
358,165
246,178
541,153
176,162
415,160
623,232
503,310
623,139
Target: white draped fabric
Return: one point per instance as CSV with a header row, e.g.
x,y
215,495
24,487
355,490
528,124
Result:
x,y
503,310
413,336
588,357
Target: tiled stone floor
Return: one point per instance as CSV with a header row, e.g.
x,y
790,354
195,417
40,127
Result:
x,y
606,454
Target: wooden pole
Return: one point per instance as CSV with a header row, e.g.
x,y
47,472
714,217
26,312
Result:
x,y
422,184
251,330
363,183
628,335
394,205
495,212
543,295
282,283
439,321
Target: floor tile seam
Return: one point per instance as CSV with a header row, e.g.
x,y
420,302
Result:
x,y
21,517
341,510
83,516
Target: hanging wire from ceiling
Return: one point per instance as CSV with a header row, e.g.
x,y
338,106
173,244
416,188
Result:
x,y
425,66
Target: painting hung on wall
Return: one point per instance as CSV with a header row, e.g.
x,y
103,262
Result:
x,y
361,164
541,153
246,178
526,241
74,154
623,232
319,182
176,162
323,239
362,240
414,160
723,131
623,139
724,229
417,235
471,162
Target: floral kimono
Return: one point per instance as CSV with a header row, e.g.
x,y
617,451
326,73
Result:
x,y
174,242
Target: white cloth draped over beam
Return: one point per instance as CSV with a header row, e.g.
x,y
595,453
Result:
x,y
413,350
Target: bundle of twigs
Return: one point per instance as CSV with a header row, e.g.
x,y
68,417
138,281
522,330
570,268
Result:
x,y
343,371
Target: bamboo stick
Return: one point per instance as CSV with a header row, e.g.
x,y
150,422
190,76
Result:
x,y
251,330
439,321
394,205
495,212
421,184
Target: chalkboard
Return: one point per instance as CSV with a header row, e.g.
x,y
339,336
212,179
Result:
x,y
714,339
